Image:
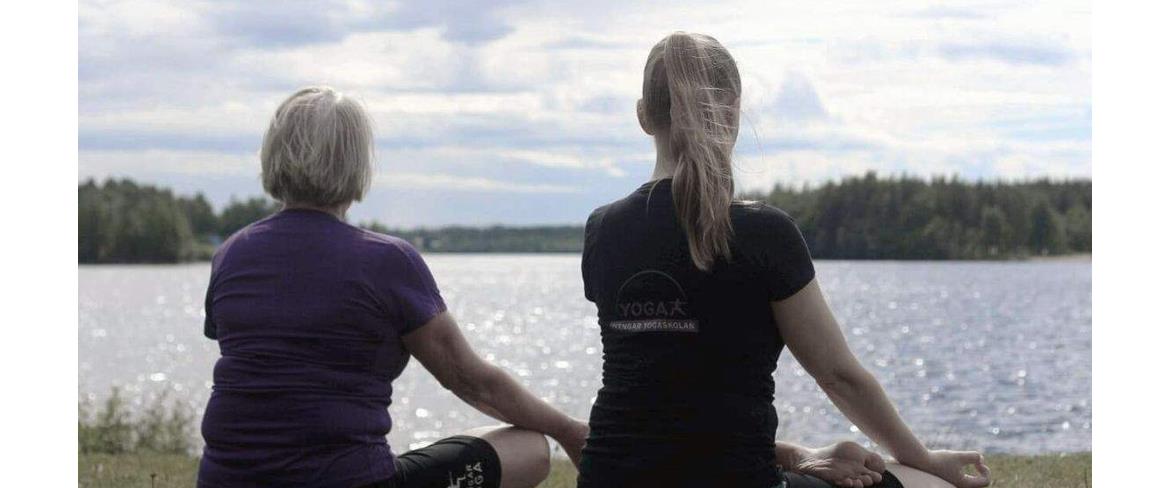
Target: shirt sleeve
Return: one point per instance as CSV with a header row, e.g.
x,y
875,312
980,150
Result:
x,y
210,331
592,227
414,290
788,265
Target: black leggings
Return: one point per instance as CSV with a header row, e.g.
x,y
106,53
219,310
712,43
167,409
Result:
x,y
471,462
463,461
794,480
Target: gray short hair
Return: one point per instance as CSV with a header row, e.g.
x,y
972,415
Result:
x,y
318,149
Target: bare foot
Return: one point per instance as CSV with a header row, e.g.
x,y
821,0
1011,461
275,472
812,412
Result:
x,y
844,464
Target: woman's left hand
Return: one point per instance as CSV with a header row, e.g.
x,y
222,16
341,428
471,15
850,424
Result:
x,y
950,465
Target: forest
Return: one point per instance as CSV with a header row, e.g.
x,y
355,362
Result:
x,y
868,217
862,217
121,221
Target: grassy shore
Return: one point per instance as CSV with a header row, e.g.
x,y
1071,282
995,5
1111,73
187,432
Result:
x,y
177,470
153,449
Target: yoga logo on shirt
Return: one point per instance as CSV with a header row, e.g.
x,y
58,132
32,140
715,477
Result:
x,y
652,301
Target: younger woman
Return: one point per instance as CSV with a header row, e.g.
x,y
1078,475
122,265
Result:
x,y
696,296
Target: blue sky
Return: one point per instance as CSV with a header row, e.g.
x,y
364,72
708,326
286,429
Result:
x,y
521,112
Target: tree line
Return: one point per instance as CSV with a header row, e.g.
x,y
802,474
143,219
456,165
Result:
x,y
120,221
561,238
863,217
868,217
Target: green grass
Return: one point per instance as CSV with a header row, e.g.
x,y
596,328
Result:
x,y
155,449
161,427
136,470
177,470
1052,471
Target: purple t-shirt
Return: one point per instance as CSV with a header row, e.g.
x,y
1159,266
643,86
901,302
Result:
x,y
309,313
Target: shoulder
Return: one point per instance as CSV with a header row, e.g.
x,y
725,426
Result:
x,y
595,224
764,230
239,239
617,209
393,257
771,239
751,217
597,216
389,246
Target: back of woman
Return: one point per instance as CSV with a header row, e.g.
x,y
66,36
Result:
x,y
309,312
689,354
683,278
315,318
697,295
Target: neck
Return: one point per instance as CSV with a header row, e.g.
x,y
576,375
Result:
x,y
664,165
336,210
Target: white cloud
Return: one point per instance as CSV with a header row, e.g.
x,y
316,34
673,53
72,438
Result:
x,y
564,160
438,181
226,118
453,104
102,163
369,61
544,92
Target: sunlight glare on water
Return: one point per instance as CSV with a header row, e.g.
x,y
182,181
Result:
x,y
984,355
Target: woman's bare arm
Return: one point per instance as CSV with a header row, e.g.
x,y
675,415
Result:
x,y
441,348
809,329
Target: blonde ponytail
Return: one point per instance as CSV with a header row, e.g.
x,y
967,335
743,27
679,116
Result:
x,y
692,89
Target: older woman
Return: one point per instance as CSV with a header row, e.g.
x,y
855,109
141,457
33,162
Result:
x,y
315,319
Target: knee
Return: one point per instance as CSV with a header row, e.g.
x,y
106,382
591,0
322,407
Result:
x,y
531,459
524,455
540,461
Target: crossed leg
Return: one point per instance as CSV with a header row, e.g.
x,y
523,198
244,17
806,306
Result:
x,y
524,454
524,460
848,464
913,478
516,457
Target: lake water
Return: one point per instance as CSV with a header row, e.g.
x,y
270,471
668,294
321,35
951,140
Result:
x,y
987,355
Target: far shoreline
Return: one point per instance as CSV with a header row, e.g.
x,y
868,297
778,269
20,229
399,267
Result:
x,y
1063,257
1075,257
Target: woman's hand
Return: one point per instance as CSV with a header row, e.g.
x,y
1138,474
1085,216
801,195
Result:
x,y
572,440
949,465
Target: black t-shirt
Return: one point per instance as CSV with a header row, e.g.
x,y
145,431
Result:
x,y
687,383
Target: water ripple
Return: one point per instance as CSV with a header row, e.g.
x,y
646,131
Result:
x,y
995,356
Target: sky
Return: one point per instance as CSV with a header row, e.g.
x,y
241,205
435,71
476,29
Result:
x,y
522,112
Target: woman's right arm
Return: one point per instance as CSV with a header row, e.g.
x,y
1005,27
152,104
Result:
x,y
445,353
809,329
